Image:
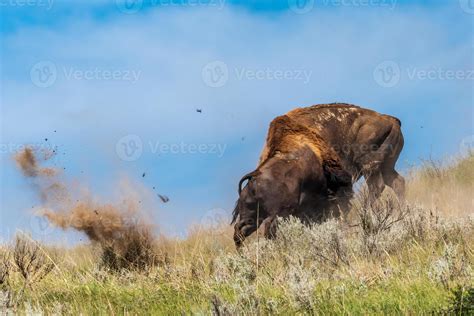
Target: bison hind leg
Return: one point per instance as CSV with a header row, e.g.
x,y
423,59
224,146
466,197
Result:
x,y
378,179
375,184
394,180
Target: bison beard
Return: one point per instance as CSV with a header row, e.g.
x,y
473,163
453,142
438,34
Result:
x,y
302,173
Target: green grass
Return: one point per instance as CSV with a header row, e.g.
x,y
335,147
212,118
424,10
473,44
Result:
x,y
393,296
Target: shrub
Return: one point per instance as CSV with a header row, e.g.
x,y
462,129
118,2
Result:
x,y
5,267
31,259
133,249
377,218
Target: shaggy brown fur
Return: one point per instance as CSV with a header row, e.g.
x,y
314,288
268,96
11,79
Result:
x,y
286,135
311,157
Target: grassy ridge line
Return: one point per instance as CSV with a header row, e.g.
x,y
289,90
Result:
x,y
412,267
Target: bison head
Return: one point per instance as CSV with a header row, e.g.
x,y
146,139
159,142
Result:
x,y
296,183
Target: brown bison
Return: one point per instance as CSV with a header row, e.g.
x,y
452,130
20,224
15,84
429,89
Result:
x,y
310,160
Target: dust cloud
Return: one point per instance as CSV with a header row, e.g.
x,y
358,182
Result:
x,y
121,229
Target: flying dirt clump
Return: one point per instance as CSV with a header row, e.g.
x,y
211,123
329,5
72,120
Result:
x,y
120,230
28,164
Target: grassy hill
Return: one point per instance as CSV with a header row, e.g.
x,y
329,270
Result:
x,y
388,258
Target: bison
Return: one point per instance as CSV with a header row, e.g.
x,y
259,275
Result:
x,y
310,160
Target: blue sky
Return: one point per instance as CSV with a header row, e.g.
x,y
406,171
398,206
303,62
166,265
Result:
x,y
139,72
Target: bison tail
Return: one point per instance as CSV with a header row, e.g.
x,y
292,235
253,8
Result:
x,y
388,150
391,146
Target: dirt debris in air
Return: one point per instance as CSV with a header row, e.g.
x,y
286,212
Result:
x,y
164,198
119,228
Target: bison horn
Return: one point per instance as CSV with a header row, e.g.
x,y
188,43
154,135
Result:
x,y
248,176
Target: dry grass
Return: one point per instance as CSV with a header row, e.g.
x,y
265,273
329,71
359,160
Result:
x,y
389,258
447,188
